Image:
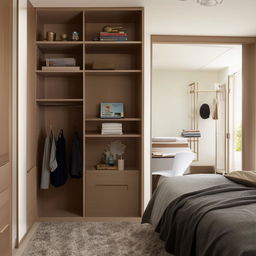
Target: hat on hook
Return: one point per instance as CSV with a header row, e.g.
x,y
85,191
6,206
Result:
x,y
205,111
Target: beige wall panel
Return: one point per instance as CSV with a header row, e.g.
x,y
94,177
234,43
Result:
x,y
31,91
5,127
5,74
5,177
31,197
249,108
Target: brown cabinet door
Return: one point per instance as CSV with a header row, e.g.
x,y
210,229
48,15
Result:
x,y
5,127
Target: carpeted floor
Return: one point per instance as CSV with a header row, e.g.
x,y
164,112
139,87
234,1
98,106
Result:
x,y
95,239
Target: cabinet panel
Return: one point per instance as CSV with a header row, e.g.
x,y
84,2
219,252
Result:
x,y
5,177
5,75
112,193
31,196
5,223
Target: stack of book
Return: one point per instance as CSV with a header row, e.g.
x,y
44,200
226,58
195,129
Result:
x,y
112,129
118,36
60,64
191,133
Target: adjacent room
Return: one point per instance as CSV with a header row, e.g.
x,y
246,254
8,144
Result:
x,y
201,99
128,128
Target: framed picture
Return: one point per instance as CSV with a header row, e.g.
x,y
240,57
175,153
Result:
x,y
111,110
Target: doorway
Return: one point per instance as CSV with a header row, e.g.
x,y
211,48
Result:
x,y
186,77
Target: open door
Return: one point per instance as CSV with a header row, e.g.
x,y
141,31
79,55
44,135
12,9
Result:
x,y
234,126
5,127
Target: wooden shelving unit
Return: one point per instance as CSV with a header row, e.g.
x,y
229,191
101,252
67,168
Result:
x,y
59,73
70,101
58,102
96,135
97,119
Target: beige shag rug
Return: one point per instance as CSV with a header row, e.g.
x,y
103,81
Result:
x,y
95,239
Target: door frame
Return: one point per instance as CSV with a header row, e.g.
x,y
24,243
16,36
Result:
x,y
249,51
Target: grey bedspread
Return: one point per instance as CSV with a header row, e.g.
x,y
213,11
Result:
x,y
204,215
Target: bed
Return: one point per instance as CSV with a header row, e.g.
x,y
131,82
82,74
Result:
x,y
204,214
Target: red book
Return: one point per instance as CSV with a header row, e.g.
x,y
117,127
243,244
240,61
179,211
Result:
x,y
113,34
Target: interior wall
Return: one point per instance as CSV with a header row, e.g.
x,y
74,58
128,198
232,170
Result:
x,y
22,109
171,98
14,125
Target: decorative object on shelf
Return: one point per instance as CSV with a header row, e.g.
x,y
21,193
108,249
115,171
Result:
x,y
120,164
111,110
50,36
64,37
75,36
114,29
208,3
108,157
117,149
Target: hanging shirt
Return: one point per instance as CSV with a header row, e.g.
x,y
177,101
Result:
x,y
49,163
60,176
77,158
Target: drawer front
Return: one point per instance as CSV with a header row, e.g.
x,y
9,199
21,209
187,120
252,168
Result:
x,y
5,246
5,241
112,194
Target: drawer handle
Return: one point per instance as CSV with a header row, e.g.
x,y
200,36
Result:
x,y
4,228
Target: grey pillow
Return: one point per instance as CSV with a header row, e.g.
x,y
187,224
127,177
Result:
x,y
247,178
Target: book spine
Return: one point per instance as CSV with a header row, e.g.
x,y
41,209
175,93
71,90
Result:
x,y
113,34
116,38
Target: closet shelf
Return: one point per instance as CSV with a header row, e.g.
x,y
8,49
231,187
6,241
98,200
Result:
x,y
98,135
97,119
60,46
59,102
111,172
59,73
112,42
59,42
118,72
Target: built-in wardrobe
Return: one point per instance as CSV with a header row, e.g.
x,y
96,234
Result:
x,y
70,100
5,127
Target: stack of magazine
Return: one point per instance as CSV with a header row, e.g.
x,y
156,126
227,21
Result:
x,y
191,133
65,64
112,129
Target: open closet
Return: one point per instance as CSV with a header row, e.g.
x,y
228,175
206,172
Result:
x,y
69,100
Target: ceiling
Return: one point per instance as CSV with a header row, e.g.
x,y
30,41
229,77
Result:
x,y
233,17
196,57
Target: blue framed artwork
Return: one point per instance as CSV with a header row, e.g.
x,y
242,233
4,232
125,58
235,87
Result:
x,y
111,110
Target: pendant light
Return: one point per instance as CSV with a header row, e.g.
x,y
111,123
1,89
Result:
x,y
208,3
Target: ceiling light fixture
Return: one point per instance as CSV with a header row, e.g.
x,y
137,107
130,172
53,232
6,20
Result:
x,y
208,3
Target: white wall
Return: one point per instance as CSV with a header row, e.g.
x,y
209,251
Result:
x,y
22,110
171,107
14,125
